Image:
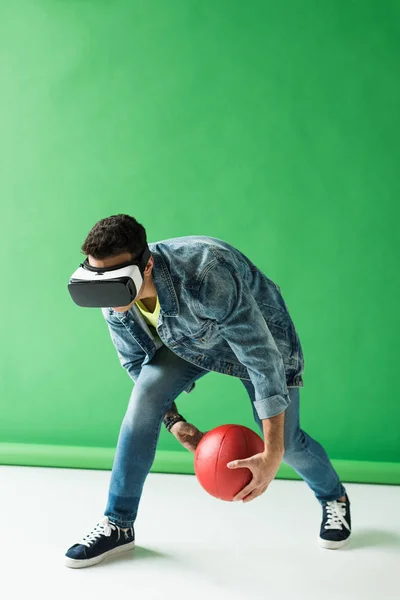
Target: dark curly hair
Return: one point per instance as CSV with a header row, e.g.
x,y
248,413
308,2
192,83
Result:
x,y
114,235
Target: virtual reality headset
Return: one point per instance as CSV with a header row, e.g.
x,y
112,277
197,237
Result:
x,y
108,286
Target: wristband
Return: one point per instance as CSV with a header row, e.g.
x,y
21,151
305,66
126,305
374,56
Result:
x,y
170,421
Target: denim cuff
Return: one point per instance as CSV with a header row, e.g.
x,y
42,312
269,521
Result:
x,y
272,406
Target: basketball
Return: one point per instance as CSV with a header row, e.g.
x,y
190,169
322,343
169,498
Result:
x,y
219,447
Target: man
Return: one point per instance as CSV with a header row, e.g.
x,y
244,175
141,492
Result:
x,y
203,306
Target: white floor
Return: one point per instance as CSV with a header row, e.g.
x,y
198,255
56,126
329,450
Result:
x,y
191,546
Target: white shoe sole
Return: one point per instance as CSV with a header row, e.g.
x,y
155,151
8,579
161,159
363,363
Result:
x,y
330,545
74,563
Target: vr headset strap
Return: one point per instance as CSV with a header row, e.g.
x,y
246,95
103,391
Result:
x,y
142,262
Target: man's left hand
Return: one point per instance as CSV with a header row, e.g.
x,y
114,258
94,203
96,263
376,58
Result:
x,y
264,467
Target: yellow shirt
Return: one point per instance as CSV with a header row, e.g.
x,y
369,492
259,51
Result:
x,y
151,318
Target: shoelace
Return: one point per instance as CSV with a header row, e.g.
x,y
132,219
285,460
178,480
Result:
x,y
335,515
103,527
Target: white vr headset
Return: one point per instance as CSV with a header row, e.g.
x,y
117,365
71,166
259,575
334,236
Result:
x,y
108,286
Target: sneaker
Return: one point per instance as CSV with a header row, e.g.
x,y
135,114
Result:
x,y
336,524
106,539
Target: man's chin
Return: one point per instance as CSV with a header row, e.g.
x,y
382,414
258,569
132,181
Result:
x,y
123,308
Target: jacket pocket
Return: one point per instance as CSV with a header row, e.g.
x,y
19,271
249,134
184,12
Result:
x,y
204,334
202,339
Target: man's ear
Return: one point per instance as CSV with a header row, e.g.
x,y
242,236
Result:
x,y
149,266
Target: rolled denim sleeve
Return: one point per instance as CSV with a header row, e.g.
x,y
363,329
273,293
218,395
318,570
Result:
x,y
225,298
131,364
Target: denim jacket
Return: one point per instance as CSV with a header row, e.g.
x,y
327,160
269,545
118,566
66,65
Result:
x,y
219,312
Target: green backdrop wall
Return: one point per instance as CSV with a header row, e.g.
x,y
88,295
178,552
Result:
x,y
271,125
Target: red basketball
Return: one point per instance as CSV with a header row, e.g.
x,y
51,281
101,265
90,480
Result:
x,y
219,447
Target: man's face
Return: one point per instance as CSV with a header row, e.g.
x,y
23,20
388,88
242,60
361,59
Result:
x,y
113,262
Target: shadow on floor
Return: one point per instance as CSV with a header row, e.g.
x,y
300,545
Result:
x,y
139,553
373,538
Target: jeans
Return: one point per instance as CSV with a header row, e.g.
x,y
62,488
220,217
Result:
x,y
160,382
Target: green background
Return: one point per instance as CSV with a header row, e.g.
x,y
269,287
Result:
x,y
272,125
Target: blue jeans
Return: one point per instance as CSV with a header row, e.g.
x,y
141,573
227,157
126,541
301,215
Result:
x,y
160,382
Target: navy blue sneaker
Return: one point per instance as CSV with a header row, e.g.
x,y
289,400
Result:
x,y
106,539
336,524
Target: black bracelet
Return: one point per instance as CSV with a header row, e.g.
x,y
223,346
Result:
x,y
170,421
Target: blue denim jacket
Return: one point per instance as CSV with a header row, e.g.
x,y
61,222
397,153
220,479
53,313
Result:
x,y
220,312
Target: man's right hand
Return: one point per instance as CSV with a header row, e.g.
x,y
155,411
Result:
x,y
187,434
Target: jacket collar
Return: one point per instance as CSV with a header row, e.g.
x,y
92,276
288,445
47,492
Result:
x,y
169,305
